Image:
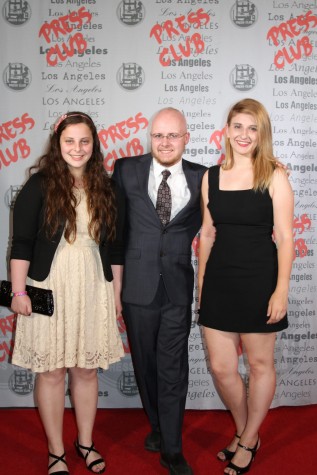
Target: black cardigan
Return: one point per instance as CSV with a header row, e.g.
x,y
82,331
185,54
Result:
x,y
30,243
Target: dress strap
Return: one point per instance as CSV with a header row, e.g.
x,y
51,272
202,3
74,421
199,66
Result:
x,y
213,178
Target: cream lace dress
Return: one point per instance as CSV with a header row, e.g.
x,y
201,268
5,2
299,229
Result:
x,y
83,330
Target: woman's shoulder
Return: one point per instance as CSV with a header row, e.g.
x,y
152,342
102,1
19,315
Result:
x,y
280,182
279,173
33,187
36,178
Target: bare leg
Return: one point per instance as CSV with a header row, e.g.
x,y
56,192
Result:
x,y
84,390
260,351
224,358
50,394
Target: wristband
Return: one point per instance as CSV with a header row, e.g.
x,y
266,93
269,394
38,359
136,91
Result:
x,y
18,294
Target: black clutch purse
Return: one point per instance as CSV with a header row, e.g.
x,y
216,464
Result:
x,y
41,299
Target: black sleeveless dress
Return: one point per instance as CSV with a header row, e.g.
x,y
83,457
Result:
x,y
241,271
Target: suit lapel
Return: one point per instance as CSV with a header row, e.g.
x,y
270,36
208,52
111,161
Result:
x,y
192,179
193,184
143,172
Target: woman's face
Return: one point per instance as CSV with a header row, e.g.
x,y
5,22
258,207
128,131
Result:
x,y
243,135
76,144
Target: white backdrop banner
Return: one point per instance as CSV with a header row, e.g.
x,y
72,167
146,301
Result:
x,y
121,61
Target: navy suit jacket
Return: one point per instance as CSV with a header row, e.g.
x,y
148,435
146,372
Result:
x,y
153,250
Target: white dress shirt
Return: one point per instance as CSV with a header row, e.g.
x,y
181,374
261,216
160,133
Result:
x,y
176,181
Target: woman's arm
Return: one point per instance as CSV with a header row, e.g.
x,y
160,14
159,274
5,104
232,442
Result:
x,y
19,270
283,209
117,251
117,246
27,209
207,234
117,272
26,213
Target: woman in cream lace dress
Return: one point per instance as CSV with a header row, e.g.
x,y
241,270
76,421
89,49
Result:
x,y
67,237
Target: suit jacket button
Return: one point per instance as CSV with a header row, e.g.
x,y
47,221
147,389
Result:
x,y
162,254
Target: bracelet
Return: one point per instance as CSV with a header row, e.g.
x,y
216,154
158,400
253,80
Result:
x,y
18,294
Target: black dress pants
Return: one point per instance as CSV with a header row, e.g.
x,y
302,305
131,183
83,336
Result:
x,y
158,336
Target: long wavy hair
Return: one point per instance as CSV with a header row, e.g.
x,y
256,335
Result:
x,y
58,186
264,162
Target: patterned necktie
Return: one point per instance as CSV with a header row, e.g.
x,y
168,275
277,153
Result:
x,y
164,199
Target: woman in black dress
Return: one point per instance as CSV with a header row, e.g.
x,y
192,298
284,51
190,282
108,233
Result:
x,y
243,276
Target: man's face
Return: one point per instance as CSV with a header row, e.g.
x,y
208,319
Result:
x,y
168,150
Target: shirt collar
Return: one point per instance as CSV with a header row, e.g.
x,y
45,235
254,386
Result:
x,y
174,169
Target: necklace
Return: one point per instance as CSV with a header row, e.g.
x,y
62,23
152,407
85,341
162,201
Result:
x,y
79,183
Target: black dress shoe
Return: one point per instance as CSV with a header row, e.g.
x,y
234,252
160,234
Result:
x,y
176,464
153,441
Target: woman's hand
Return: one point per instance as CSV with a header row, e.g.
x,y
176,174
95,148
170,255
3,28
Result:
x,y
22,305
118,305
277,307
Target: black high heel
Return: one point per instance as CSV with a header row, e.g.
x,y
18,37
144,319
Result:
x,y
229,454
78,448
253,451
58,459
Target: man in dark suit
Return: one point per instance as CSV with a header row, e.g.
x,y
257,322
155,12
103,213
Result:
x,y
163,217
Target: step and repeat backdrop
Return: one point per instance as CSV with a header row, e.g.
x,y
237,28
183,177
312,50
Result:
x,y
120,62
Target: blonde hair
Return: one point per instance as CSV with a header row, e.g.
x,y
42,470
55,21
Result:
x,y
264,162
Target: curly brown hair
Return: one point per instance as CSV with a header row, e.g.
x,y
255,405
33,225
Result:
x,y
58,185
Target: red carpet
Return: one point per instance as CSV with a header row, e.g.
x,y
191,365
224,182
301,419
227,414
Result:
x,y
289,442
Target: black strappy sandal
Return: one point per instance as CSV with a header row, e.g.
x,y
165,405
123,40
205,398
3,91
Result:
x,y
229,454
78,448
240,470
58,459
